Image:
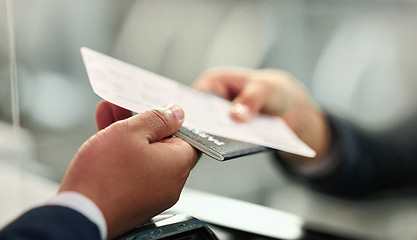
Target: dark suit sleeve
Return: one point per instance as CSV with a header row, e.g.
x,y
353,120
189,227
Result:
x,y
51,222
368,163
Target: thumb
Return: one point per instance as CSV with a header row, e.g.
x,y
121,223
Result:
x,y
159,123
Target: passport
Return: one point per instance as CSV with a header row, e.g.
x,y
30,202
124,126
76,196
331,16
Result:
x,y
217,147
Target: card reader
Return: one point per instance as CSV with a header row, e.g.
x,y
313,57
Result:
x,y
168,226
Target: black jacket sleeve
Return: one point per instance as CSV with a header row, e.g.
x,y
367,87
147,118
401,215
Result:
x,y
51,222
368,163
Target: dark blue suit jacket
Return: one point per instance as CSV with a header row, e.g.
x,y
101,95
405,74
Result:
x,y
51,222
369,163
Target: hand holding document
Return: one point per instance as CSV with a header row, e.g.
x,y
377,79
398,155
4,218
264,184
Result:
x,y
139,90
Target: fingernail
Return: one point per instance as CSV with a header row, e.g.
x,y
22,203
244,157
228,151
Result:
x,y
240,112
176,110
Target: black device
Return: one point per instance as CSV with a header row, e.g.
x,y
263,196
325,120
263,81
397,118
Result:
x,y
169,226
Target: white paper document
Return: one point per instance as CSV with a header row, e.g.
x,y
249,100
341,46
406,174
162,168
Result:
x,y
139,90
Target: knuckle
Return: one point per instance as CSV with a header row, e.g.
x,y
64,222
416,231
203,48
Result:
x,y
159,123
160,118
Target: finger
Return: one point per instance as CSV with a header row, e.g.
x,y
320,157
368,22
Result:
x,y
104,115
120,113
250,101
158,123
107,113
226,83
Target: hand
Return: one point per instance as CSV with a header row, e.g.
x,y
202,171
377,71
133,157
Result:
x,y
274,93
129,168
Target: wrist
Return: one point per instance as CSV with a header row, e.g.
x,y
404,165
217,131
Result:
x,y
327,158
311,126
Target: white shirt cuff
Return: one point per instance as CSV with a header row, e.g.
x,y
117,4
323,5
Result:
x,y
83,205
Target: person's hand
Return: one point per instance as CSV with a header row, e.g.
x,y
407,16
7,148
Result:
x,y
274,93
129,168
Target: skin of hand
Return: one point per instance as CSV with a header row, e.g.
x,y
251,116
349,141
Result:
x,y
274,93
129,168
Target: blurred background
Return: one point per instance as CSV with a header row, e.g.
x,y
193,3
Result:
x,y
356,57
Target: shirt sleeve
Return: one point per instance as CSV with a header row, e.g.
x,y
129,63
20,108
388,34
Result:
x,y
83,205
